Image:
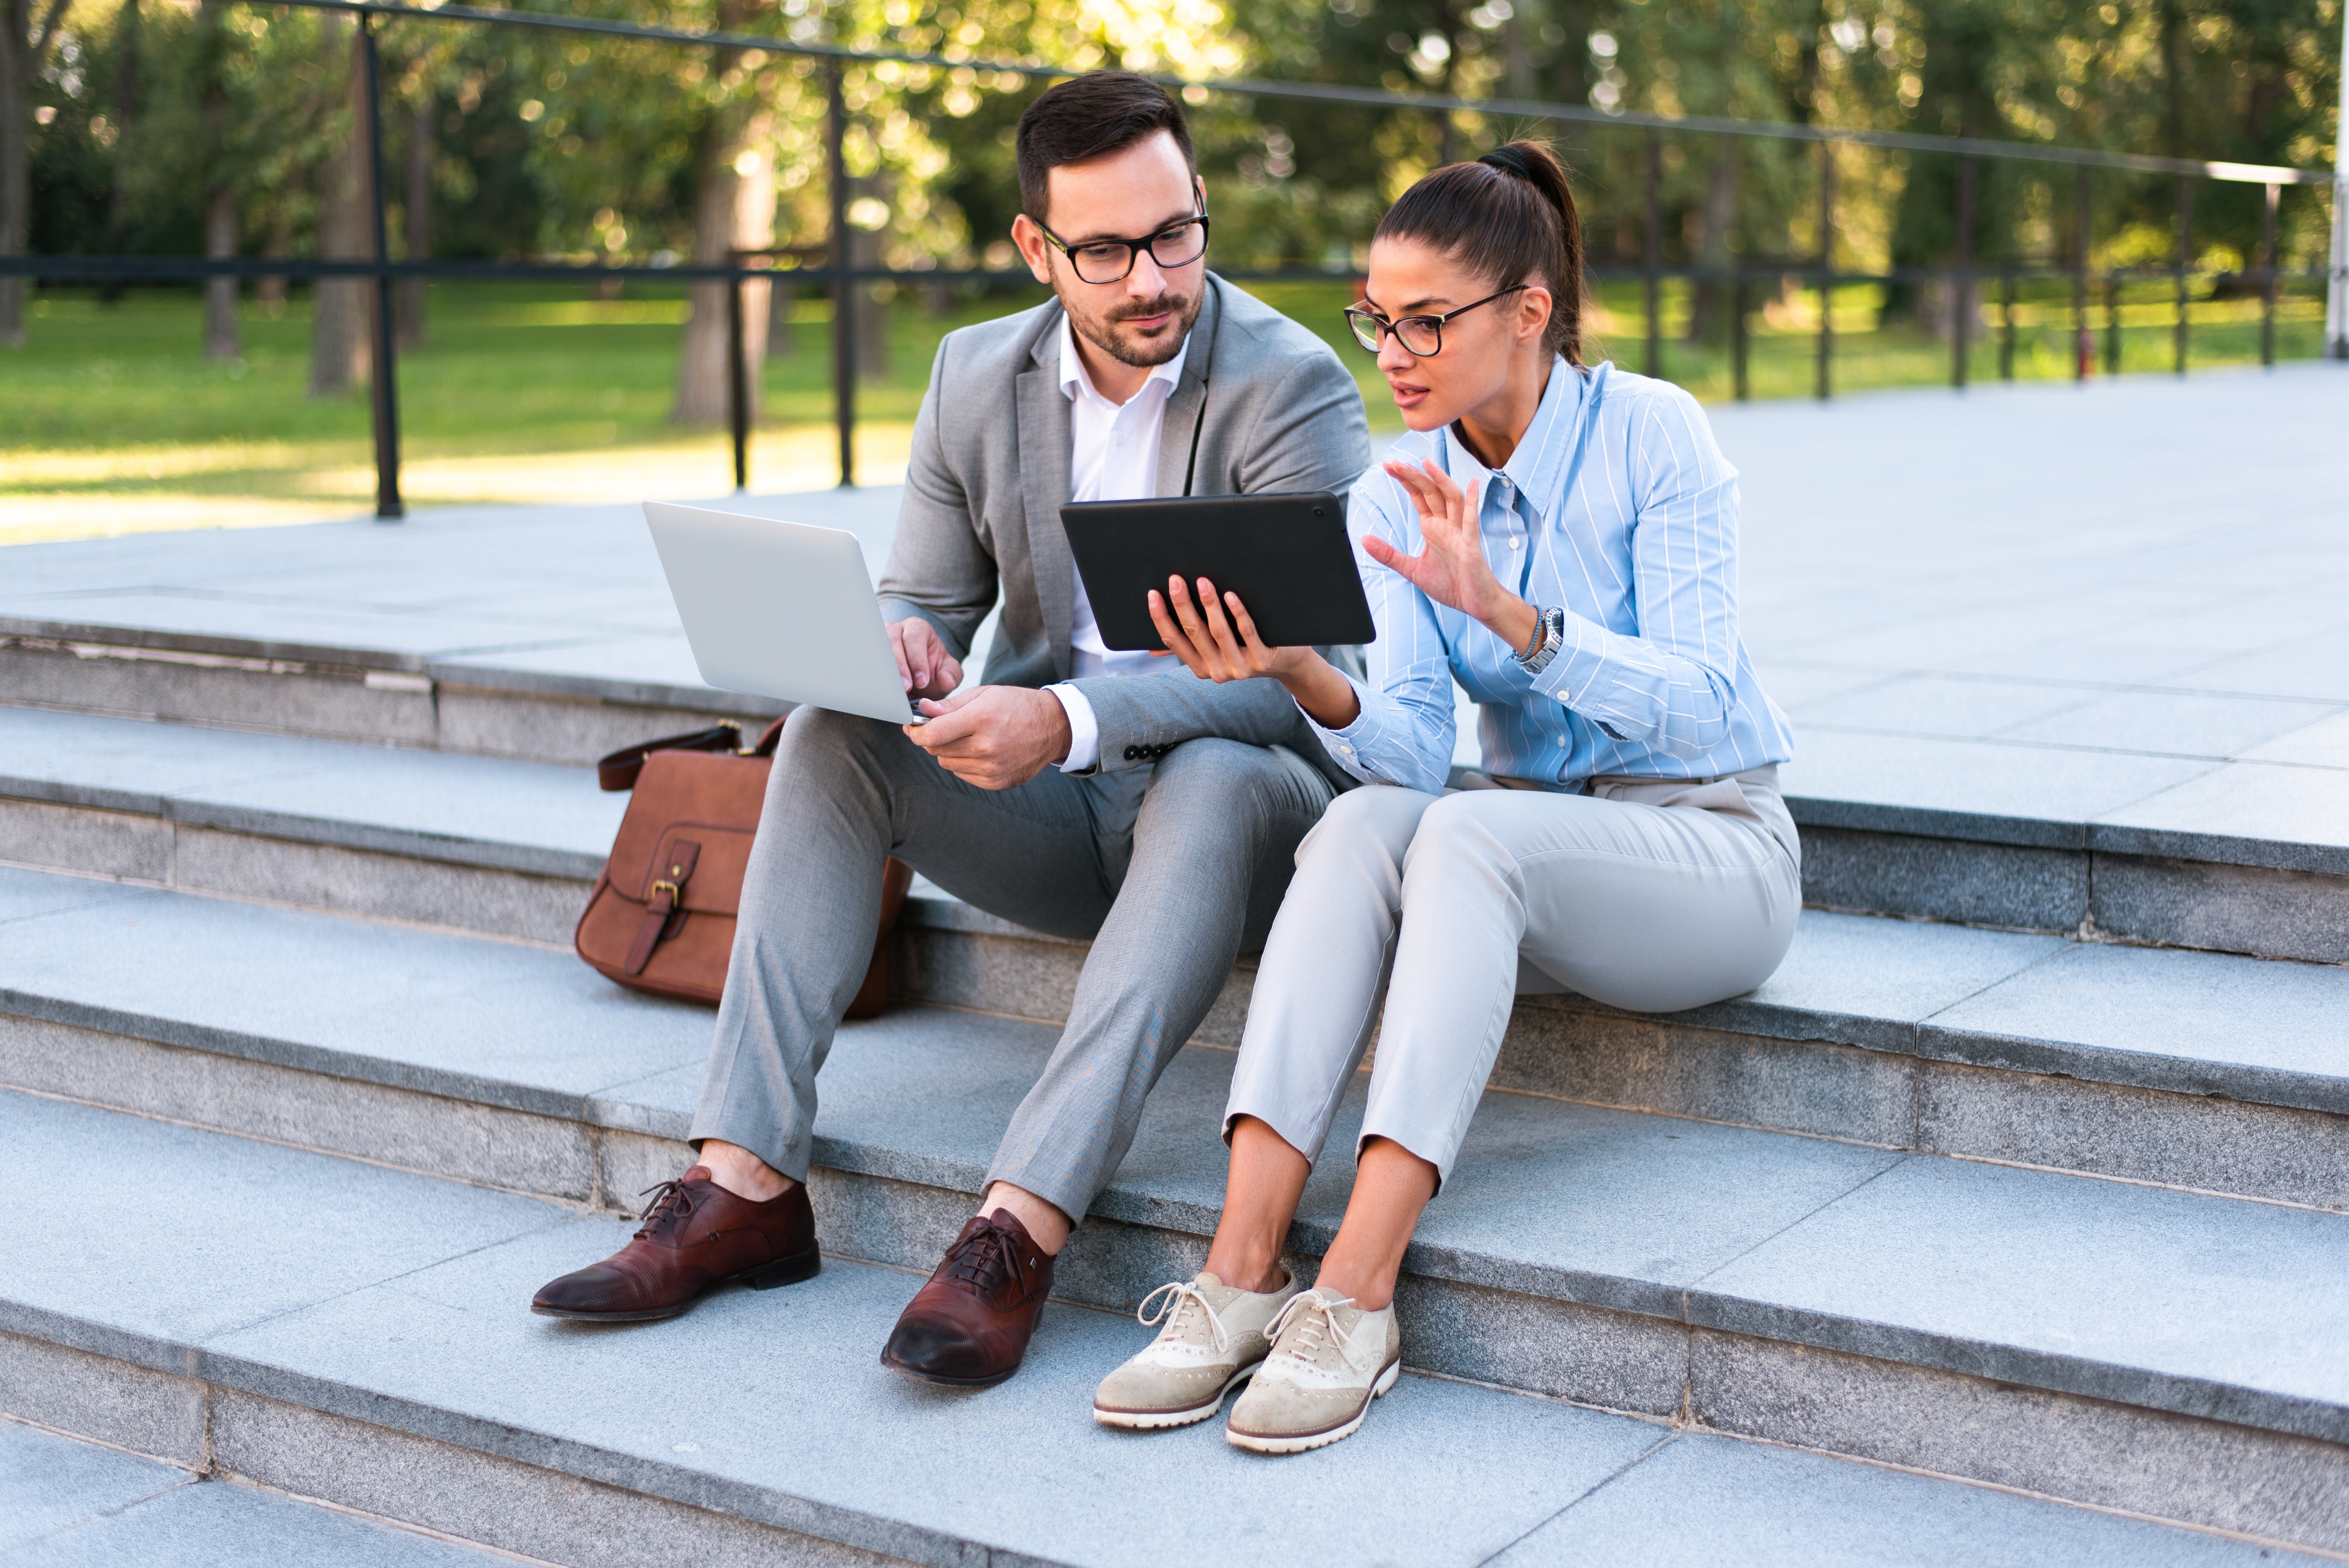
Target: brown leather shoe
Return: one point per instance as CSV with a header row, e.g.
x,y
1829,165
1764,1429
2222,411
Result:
x,y
968,1327
695,1234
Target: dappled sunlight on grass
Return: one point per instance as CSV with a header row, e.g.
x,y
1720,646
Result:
x,y
116,424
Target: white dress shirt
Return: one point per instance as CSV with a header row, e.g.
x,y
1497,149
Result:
x,y
1112,456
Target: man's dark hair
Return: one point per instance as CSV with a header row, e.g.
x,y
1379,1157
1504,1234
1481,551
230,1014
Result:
x,y
1090,116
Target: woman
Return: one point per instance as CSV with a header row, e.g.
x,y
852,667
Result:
x,y
1562,541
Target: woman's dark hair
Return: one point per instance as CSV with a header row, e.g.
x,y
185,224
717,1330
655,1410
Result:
x,y
1090,116
1507,217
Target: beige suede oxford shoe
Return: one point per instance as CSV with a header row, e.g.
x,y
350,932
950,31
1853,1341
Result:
x,y
1329,1359
1214,1335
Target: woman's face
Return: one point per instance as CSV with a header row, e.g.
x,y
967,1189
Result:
x,y
1408,277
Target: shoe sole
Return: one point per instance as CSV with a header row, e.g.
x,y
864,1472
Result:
x,y
1299,1442
940,1380
766,1276
1157,1421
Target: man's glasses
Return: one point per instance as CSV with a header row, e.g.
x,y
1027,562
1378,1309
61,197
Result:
x,y
1421,335
1109,261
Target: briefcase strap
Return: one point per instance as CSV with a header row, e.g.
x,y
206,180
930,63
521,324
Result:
x,y
618,771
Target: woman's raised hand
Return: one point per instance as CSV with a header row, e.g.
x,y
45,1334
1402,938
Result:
x,y
1451,570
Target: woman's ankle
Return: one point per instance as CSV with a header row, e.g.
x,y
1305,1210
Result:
x,y
1251,1271
1368,1292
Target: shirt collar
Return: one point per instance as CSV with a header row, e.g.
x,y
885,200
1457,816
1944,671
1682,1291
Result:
x,y
1074,380
1533,469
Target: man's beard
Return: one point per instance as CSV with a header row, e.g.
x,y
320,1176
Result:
x,y
1102,331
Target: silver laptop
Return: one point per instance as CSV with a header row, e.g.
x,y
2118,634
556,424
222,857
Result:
x,y
780,609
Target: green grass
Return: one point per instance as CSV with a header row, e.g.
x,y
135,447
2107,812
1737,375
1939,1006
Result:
x,y
544,369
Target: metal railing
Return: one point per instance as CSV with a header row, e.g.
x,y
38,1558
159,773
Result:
x,y
841,276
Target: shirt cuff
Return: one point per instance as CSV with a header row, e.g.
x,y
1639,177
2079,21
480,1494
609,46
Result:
x,y
1578,663
1085,729
1345,745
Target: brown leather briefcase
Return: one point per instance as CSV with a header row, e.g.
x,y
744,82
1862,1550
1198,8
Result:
x,y
662,916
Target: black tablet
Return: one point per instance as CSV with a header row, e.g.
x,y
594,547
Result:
x,y
1287,556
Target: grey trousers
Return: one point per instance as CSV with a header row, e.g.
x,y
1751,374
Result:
x,y
1168,869
1644,894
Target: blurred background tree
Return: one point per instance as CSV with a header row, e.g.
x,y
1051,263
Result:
x,y
216,126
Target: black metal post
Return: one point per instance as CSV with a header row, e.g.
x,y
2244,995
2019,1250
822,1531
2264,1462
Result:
x,y
383,371
738,380
1827,270
1737,336
2185,258
2113,323
2007,323
2267,275
1962,286
844,293
1655,257
2083,340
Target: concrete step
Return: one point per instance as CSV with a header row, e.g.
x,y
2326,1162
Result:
x,y
353,1333
544,635
2197,1070
2127,1345
371,696
2246,855
64,1500
486,844
2187,1070
2039,792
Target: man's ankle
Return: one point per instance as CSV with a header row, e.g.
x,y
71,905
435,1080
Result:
x,y
737,1171
1046,1226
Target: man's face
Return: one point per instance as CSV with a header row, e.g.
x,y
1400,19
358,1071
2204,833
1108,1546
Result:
x,y
1142,319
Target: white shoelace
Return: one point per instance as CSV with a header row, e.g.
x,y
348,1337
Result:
x,y
1317,1316
1170,1312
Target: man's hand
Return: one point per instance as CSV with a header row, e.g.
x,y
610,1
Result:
x,y
996,737
1452,569
923,661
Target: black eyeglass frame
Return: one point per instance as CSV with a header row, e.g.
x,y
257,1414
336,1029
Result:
x,y
1133,248
1380,325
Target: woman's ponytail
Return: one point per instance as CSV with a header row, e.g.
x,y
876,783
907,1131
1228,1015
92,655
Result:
x,y
1510,217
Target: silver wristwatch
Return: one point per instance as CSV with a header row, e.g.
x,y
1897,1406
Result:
x,y
1553,633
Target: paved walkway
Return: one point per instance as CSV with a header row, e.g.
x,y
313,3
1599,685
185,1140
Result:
x,y
2122,603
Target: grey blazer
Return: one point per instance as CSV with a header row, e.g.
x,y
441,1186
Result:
x,y
990,472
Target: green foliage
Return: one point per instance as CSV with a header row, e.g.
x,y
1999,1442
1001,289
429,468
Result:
x,y
557,145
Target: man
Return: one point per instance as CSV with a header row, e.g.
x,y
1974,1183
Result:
x,y
1082,791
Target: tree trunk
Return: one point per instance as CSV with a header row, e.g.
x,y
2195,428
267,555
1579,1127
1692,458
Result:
x,y
1520,59
23,42
270,290
220,340
221,230
733,209
340,349
1709,309
418,222
126,113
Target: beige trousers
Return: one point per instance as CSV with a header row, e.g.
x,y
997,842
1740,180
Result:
x,y
1645,895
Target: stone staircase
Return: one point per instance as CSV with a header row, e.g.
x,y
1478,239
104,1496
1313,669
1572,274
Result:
x,y
2027,1171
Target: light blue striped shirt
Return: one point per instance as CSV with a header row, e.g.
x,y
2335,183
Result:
x,y
1618,506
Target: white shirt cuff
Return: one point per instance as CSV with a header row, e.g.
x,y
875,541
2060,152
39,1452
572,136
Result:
x,y
1084,730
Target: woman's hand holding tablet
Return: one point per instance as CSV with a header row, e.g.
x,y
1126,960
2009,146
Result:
x,y
1202,634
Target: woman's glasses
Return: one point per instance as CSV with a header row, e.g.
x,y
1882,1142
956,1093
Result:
x,y
1419,334
1109,261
